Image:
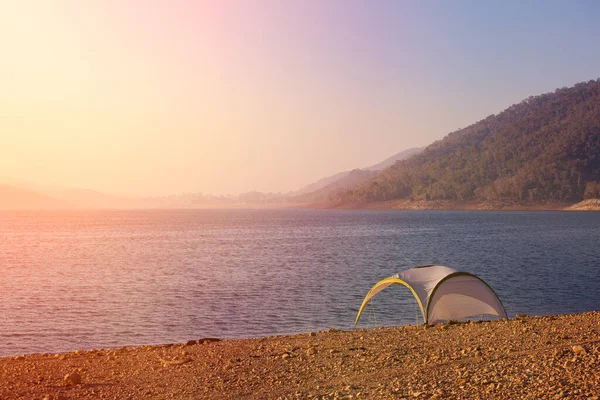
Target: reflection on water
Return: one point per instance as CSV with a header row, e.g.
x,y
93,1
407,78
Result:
x,y
111,278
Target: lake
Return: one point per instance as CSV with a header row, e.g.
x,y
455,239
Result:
x,y
100,279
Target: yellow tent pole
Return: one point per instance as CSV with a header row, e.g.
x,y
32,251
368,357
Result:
x,y
377,288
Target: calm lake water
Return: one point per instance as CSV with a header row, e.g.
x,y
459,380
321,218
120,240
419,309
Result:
x,y
101,279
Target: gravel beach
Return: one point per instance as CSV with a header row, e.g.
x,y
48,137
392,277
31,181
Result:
x,y
526,357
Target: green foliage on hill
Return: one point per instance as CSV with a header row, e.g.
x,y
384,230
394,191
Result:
x,y
546,148
592,190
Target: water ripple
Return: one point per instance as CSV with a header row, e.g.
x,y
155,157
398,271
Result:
x,y
104,279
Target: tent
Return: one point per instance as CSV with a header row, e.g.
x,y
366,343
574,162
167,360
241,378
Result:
x,y
443,293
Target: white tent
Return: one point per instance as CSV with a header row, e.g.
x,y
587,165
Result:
x,y
443,293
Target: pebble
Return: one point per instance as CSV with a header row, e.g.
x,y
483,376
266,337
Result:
x,y
72,379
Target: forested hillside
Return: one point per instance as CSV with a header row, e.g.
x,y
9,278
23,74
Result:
x,y
544,149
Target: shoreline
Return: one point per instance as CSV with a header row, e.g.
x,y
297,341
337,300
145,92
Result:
x,y
417,205
450,205
534,357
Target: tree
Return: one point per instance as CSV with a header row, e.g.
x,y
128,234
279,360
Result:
x,y
592,190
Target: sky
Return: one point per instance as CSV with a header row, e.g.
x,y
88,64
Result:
x,y
152,97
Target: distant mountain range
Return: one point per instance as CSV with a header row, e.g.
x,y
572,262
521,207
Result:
x,y
544,149
20,196
354,180
14,198
31,196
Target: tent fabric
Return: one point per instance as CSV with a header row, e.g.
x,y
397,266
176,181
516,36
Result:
x,y
443,293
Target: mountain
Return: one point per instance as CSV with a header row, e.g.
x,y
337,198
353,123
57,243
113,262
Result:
x,y
388,162
337,181
14,198
350,180
544,149
91,199
321,183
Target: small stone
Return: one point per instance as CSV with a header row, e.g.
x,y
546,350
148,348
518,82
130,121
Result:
x,y
191,342
208,340
312,334
579,350
285,356
72,379
311,351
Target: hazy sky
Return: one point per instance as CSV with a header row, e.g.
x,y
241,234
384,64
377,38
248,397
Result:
x,y
156,97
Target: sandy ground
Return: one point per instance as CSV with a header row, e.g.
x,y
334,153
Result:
x,y
527,357
586,205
